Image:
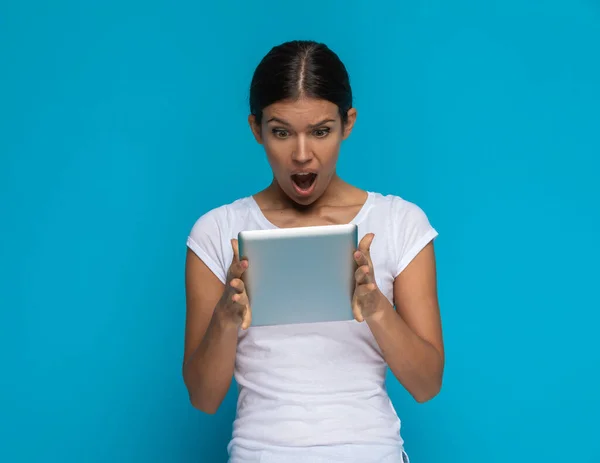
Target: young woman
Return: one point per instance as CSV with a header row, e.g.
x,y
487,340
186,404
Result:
x,y
314,392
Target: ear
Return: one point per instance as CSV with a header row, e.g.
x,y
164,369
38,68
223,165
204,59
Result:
x,y
349,125
255,127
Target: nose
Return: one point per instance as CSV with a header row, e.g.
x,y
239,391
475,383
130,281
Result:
x,y
302,153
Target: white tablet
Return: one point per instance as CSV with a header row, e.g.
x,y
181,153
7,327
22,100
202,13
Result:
x,y
300,275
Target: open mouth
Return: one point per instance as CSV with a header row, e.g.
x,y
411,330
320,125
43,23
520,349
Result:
x,y
304,182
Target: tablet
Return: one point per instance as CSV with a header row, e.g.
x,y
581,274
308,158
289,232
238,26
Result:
x,y
300,275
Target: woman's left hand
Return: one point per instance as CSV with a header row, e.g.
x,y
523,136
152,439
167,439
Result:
x,y
367,297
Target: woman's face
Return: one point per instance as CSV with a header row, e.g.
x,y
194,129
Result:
x,y
302,140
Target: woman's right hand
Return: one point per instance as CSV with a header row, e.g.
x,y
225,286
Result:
x,y
234,305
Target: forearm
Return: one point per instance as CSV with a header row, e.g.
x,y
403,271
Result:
x,y
209,370
416,364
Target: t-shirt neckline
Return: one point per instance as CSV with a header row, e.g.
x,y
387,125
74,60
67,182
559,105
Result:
x,y
258,213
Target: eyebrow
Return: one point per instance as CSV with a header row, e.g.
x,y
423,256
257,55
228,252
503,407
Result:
x,y
312,126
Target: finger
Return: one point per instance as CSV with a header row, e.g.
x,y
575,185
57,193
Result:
x,y
240,299
238,285
363,275
357,313
360,258
364,290
237,267
247,317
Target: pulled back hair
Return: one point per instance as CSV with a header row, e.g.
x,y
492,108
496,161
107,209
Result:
x,y
297,69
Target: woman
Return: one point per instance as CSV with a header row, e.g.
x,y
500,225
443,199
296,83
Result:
x,y
314,392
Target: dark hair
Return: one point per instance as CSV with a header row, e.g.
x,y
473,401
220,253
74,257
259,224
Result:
x,y
296,69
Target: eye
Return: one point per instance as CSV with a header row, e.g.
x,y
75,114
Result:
x,y
322,132
280,133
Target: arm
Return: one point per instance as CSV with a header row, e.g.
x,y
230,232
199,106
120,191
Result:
x,y
214,313
410,337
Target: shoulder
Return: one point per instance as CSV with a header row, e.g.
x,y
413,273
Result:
x,y
219,219
211,234
398,210
409,227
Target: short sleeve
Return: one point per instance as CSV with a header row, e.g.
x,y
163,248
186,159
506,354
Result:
x,y
412,232
206,241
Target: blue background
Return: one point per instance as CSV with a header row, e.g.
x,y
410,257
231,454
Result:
x,y
122,122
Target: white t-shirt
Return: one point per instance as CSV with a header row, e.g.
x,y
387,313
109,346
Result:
x,y
315,392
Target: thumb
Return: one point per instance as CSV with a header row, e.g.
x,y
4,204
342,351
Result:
x,y
237,267
365,244
236,250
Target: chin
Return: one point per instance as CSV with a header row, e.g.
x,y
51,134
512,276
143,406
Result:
x,y
303,200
